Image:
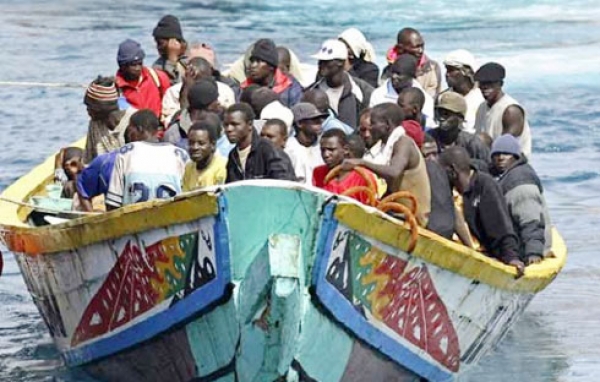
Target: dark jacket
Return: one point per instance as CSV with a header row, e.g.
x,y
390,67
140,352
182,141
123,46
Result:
x,y
523,192
478,151
264,162
285,85
366,71
350,106
441,217
488,218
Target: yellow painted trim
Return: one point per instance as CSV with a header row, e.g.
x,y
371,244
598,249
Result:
x,y
452,256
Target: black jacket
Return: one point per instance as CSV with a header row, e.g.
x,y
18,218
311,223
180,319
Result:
x,y
487,215
478,151
264,162
441,217
366,71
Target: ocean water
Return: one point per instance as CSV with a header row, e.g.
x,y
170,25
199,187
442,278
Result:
x,y
551,50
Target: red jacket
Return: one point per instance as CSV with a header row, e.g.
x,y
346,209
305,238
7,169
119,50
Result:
x,y
144,93
415,131
353,179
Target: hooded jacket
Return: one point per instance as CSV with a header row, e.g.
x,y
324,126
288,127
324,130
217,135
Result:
x,y
524,196
286,86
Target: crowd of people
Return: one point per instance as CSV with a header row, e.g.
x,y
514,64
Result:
x,y
182,124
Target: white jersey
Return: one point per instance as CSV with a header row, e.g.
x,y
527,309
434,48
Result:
x,y
144,171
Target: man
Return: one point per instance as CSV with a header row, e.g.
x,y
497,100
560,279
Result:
x,y
524,196
171,48
107,123
202,98
428,74
276,131
319,99
411,102
197,69
253,157
94,179
142,87
361,56
303,148
145,169
500,113
264,71
400,162
402,76
285,60
346,97
484,207
450,113
207,168
334,149
460,72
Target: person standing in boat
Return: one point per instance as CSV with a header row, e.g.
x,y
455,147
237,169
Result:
x,y
411,102
264,71
428,74
207,167
107,122
524,196
145,169
334,149
500,113
142,87
171,47
361,56
460,77
319,98
484,209
253,157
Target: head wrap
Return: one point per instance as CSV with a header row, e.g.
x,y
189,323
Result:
x,y
358,44
168,27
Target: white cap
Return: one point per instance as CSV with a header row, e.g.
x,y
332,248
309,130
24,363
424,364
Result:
x,y
459,58
332,50
277,110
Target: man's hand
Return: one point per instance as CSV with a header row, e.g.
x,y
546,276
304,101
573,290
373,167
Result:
x,y
520,267
173,50
60,176
534,259
350,164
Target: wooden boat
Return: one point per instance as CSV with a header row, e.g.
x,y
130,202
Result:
x,y
262,281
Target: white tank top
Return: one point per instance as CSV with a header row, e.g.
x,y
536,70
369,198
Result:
x,y
489,120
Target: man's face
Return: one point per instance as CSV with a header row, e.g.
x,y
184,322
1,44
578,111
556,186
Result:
x,y
430,150
408,108
490,90
503,161
161,46
259,70
379,128
72,167
199,145
328,69
311,127
132,71
413,45
273,133
97,113
401,81
332,151
236,127
453,76
448,120
364,130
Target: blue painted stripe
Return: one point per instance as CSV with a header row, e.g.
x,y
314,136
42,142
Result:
x,y
348,316
325,239
183,310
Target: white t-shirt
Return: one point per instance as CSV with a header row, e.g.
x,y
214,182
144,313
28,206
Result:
x,y
145,171
334,94
304,159
473,99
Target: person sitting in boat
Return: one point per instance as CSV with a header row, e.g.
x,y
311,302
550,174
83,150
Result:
x,y
207,167
68,165
346,97
460,77
263,71
276,131
450,113
524,196
401,163
276,110
145,169
429,75
284,59
403,75
500,113
107,122
334,149
171,47
202,98
361,56
411,102
484,208
253,157
175,98
319,98
94,179
303,147
142,87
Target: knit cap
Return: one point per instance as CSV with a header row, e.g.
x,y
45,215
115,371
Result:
x,y
265,50
106,92
168,27
130,51
202,94
506,144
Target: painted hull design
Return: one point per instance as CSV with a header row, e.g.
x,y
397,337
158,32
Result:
x,y
263,281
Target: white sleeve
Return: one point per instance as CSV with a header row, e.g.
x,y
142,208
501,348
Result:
x,y
170,103
114,195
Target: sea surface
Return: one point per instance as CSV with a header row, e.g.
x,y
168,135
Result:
x,y
551,50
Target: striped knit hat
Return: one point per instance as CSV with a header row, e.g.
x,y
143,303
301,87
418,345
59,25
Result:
x,y
102,90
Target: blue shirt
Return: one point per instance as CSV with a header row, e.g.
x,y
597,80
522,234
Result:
x,y
94,179
332,122
224,146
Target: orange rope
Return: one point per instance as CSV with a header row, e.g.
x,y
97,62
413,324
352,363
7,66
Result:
x,y
358,189
402,195
409,218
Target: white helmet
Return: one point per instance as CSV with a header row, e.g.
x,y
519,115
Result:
x,y
460,58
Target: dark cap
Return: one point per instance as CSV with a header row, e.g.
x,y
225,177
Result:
x,y
506,144
130,51
265,50
490,72
202,94
168,27
304,110
405,64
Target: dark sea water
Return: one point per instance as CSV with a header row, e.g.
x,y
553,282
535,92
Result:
x,y
551,50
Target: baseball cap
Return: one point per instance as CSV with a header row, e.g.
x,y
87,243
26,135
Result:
x,y
332,50
305,110
452,101
460,57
